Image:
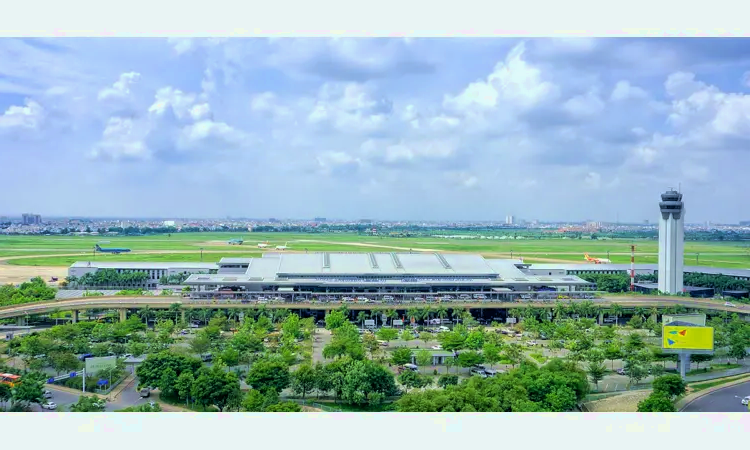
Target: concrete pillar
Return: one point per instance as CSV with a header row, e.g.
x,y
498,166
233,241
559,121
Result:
x,y
75,315
182,316
655,317
123,315
21,321
684,364
600,320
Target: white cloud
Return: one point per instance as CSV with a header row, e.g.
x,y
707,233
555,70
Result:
x,y
29,116
353,126
121,88
514,83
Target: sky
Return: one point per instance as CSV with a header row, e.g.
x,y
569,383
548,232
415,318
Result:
x,y
384,128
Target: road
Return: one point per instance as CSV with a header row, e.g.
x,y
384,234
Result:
x,y
723,400
159,302
128,397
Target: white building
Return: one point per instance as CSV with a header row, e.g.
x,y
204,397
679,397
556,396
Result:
x,y
671,242
155,270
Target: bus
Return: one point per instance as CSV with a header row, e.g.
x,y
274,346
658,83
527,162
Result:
x,y
10,379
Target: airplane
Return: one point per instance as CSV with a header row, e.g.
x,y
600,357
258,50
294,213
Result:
x,y
115,251
263,244
237,241
282,247
596,260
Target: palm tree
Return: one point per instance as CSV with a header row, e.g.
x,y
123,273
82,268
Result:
x,y
361,316
559,310
441,312
615,310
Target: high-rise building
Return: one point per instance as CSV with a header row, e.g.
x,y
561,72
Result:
x,y
671,242
509,220
31,219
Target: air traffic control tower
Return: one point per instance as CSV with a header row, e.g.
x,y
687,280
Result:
x,y
671,242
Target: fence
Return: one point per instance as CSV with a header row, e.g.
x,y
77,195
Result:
x,y
311,404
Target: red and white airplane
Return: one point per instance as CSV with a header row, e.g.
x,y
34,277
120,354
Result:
x,y
596,260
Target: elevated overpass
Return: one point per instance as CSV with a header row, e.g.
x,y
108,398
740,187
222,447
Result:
x,y
123,304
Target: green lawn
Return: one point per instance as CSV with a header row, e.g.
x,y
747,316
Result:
x,y
161,257
718,254
709,384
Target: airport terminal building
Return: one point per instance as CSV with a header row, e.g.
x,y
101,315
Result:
x,y
392,276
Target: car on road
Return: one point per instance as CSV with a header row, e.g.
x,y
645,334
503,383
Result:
x,y
730,304
531,343
437,347
621,371
746,400
145,392
49,405
47,394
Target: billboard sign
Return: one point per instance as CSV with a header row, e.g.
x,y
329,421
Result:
x,y
94,365
369,323
699,320
511,320
688,338
398,323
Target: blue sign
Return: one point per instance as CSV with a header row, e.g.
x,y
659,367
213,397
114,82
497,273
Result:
x,y
72,374
51,380
102,382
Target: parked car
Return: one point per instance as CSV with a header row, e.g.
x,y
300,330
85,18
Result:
x,y
437,347
531,343
621,371
478,372
49,405
145,392
746,400
47,394
730,304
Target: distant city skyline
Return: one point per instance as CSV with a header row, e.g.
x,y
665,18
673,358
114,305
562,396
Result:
x,y
409,129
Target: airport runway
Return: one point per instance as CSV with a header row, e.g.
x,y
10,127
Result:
x,y
724,400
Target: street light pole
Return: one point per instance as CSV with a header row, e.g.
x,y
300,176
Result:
x,y
201,254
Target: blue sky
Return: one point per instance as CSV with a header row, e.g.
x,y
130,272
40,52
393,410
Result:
x,y
433,129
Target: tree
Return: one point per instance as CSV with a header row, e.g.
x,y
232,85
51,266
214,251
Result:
x,y
150,371
446,380
426,337
387,334
616,310
670,385
200,344
269,374
410,379
469,358
335,319
88,403
596,371
452,340
371,343
64,362
424,358
30,390
737,348
167,382
345,341
514,353
407,336
491,353
698,359
474,340
303,380
612,352
230,356
183,385
216,387
284,407
656,402
401,356
253,401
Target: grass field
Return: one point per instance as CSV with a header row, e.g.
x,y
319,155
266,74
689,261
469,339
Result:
x,y
57,250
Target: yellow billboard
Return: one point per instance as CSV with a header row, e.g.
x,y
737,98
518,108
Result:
x,y
688,338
